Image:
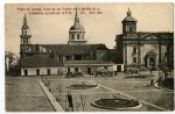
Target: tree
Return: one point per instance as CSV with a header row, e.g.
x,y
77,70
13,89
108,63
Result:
x,y
77,105
59,89
83,101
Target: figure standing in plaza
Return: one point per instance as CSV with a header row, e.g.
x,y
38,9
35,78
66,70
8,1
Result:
x,y
69,97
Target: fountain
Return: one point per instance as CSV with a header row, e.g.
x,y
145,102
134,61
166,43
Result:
x,y
116,103
82,86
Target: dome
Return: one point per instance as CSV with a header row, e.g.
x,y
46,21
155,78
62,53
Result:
x,y
129,17
77,26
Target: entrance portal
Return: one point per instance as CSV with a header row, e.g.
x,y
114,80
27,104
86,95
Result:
x,y
150,60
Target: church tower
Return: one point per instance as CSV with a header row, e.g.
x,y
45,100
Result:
x,y
76,32
25,36
25,32
129,23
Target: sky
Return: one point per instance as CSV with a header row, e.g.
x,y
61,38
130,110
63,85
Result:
x,y
99,28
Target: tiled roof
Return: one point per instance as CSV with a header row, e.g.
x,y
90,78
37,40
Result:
x,y
45,59
38,61
64,49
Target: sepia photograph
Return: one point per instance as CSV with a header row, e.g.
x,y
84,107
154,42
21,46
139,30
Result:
x,y
89,57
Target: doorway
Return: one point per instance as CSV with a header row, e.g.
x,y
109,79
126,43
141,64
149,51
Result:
x,y
48,71
119,68
25,72
37,72
89,70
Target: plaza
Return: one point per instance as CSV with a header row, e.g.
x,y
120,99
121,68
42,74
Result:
x,y
30,97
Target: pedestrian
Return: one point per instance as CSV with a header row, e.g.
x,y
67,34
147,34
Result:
x,y
69,96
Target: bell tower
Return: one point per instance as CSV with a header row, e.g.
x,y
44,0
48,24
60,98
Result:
x,y
77,32
25,36
129,23
25,32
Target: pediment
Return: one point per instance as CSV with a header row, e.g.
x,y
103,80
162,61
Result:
x,y
151,37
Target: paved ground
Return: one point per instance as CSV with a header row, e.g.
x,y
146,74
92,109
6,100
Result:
x,y
152,99
25,94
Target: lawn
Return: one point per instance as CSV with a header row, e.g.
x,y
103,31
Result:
x,y
25,94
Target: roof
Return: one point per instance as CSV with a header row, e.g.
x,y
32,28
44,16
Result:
x,y
38,61
64,49
46,59
77,26
146,35
129,17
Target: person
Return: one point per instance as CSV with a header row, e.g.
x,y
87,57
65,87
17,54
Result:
x,y
69,96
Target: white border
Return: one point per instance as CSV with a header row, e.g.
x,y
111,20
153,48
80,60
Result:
x,y
2,40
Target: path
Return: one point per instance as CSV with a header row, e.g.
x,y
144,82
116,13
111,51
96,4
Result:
x,y
126,95
52,100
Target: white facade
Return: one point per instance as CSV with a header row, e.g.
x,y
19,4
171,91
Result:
x,y
57,71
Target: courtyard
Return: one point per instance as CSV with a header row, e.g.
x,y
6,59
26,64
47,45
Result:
x,y
25,93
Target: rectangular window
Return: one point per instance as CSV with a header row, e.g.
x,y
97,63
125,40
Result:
x,y
78,36
68,57
89,70
68,69
134,59
73,36
78,57
134,50
105,67
76,69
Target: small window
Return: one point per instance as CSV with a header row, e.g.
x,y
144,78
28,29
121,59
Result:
x,y
105,67
82,36
134,50
77,57
131,29
67,57
73,36
76,69
68,69
134,59
78,36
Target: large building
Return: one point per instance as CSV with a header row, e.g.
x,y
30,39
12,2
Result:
x,y
75,56
147,50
